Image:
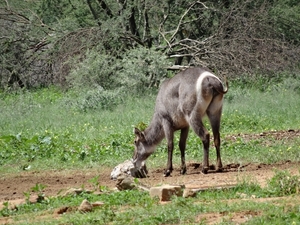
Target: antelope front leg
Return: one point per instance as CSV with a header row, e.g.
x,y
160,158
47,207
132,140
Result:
x,y
169,133
169,169
182,144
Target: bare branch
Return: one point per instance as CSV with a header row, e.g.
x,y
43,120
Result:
x,y
7,5
177,67
180,21
202,4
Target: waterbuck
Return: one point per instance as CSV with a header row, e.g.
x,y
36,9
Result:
x,y
182,102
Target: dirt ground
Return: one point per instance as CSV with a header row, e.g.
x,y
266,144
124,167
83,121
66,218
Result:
x,y
13,186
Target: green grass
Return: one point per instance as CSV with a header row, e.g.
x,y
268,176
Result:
x,y
37,125
253,111
136,207
41,124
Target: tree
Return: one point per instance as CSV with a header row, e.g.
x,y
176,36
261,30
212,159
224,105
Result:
x,y
22,44
229,37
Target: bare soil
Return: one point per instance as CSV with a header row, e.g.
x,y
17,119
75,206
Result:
x,y
13,186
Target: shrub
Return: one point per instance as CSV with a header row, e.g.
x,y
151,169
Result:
x,y
283,183
97,98
97,70
142,68
101,80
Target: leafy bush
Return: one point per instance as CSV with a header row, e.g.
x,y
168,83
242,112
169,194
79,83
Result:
x,y
286,14
97,98
97,70
100,81
283,183
142,68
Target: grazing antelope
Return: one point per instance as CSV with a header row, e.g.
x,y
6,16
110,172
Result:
x,y
182,102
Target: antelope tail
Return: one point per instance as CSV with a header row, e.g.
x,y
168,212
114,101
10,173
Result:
x,y
227,86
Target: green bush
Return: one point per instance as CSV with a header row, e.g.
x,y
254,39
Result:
x,y
286,15
97,70
283,183
101,81
142,68
93,99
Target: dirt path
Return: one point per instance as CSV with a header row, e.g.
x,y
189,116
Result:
x,y
13,186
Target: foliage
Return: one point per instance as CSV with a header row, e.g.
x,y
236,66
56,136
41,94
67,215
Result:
x,y
97,98
283,183
100,81
95,71
43,42
64,15
137,207
82,130
286,13
142,68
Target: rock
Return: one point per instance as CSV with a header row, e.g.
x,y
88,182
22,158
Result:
x,y
127,168
35,198
97,204
189,193
242,195
125,182
122,169
165,192
75,191
85,206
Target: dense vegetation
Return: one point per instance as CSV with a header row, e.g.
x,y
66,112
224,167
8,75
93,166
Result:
x,y
47,124
41,131
77,76
105,45
135,207
96,58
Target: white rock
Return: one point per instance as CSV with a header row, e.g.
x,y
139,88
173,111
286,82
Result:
x,y
121,169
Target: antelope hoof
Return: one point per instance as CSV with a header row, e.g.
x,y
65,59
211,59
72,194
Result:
x,y
167,173
183,171
219,170
138,173
205,170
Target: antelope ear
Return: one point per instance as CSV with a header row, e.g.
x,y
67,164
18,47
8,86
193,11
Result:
x,y
139,134
136,131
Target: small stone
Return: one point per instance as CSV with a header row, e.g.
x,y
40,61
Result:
x,y
165,192
127,168
85,206
97,204
188,193
75,191
125,183
33,198
242,195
